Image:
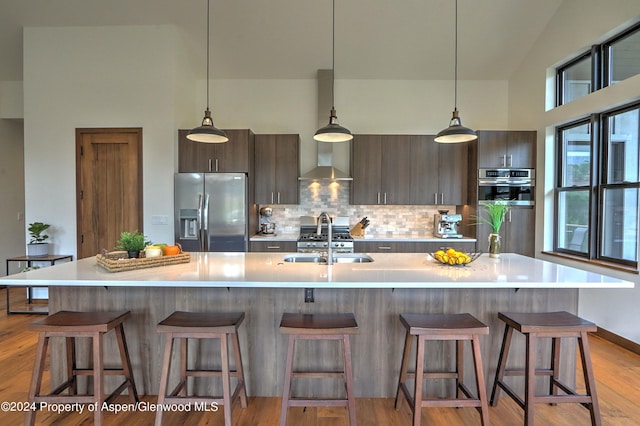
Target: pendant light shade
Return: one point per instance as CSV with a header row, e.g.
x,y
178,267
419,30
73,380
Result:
x,y
333,132
456,132
207,132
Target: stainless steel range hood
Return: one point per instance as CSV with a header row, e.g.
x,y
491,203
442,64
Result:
x,y
325,169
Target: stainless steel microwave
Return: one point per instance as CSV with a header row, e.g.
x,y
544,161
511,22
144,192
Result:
x,y
514,186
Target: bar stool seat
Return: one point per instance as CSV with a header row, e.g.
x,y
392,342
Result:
x,y
70,325
202,325
457,327
554,325
318,327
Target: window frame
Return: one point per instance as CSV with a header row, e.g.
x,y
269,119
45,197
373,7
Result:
x,y
605,52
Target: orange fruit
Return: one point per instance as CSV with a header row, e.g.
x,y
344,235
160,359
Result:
x,y
170,250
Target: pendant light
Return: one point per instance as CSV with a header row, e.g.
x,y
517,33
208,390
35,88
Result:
x,y
456,132
207,132
333,132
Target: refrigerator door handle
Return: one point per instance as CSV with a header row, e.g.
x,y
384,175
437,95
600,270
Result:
x,y
206,223
199,222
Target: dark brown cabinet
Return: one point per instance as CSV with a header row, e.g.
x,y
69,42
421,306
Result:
x,y
273,246
277,168
438,172
407,170
411,246
380,169
506,149
517,232
234,156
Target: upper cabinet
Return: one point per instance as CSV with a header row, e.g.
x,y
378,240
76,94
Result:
x,y
277,167
506,149
407,169
234,156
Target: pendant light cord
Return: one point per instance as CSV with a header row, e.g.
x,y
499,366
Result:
x,y
333,55
455,72
208,2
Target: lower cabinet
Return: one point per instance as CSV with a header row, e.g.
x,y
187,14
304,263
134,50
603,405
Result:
x,y
517,232
275,246
411,247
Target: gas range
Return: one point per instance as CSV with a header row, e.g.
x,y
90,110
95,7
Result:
x,y
310,241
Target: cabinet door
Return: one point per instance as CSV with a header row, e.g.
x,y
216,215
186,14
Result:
x,y
452,176
424,170
520,231
265,169
521,149
231,156
366,166
287,169
396,170
273,246
492,148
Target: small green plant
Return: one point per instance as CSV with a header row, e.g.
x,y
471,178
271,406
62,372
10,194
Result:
x,y
496,213
131,241
36,230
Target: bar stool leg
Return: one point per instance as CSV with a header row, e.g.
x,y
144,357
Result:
x,y
98,387
164,376
348,372
404,367
126,363
480,383
184,357
459,367
36,379
529,378
71,365
239,370
589,378
417,396
226,384
286,391
502,365
555,366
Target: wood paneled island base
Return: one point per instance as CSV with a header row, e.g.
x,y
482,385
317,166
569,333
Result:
x,y
376,349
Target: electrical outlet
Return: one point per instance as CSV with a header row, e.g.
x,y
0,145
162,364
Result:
x,y
308,295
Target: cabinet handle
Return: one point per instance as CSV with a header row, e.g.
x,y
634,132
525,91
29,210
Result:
x,y
273,247
511,161
378,198
504,160
216,164
385,198
271,197
442,198
278,197
435,198
384,248
509,215
209,164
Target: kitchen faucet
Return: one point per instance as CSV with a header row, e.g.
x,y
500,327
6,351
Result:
x,y
319,232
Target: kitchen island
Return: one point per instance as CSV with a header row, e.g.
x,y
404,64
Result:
x,y
264,286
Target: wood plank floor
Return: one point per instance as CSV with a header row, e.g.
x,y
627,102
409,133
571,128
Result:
x,y
617,372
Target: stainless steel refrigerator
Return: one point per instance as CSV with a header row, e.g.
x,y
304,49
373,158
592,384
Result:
x,y
211,211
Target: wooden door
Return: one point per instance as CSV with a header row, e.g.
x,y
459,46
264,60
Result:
x,y
396,169
287,168
424,170
265,168
521,150
492,148
109,187
452,176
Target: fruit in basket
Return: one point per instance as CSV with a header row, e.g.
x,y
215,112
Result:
x,y
453,257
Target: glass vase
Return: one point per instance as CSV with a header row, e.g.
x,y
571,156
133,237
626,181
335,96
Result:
x,y
494,245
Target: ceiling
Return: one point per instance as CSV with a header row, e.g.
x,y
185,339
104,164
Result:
x,y
291,39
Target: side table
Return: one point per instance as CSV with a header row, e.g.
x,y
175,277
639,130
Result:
x,y
30,260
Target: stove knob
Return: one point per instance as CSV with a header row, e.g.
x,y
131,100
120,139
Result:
x,y
341,244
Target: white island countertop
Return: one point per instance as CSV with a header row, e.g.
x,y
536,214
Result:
x,y
388,270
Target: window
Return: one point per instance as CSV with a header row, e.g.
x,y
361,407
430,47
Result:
x,y
598,187
605,64
622,56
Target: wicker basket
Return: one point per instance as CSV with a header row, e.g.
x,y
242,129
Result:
x,y
119,265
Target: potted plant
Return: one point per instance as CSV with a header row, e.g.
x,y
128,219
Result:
x,y
496,213
132,243
37,244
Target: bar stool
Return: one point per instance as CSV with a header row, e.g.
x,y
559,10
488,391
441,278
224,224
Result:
x,y
318,327
81,324
458,327
554,325
202,325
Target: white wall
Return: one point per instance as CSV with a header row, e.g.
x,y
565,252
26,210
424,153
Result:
x,y
12,224
576,26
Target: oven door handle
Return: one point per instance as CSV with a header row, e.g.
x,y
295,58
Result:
x,y
505,183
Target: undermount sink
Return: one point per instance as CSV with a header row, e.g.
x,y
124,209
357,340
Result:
x,y
337,258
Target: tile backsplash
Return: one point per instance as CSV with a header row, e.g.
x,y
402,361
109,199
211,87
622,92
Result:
x,y
333,197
